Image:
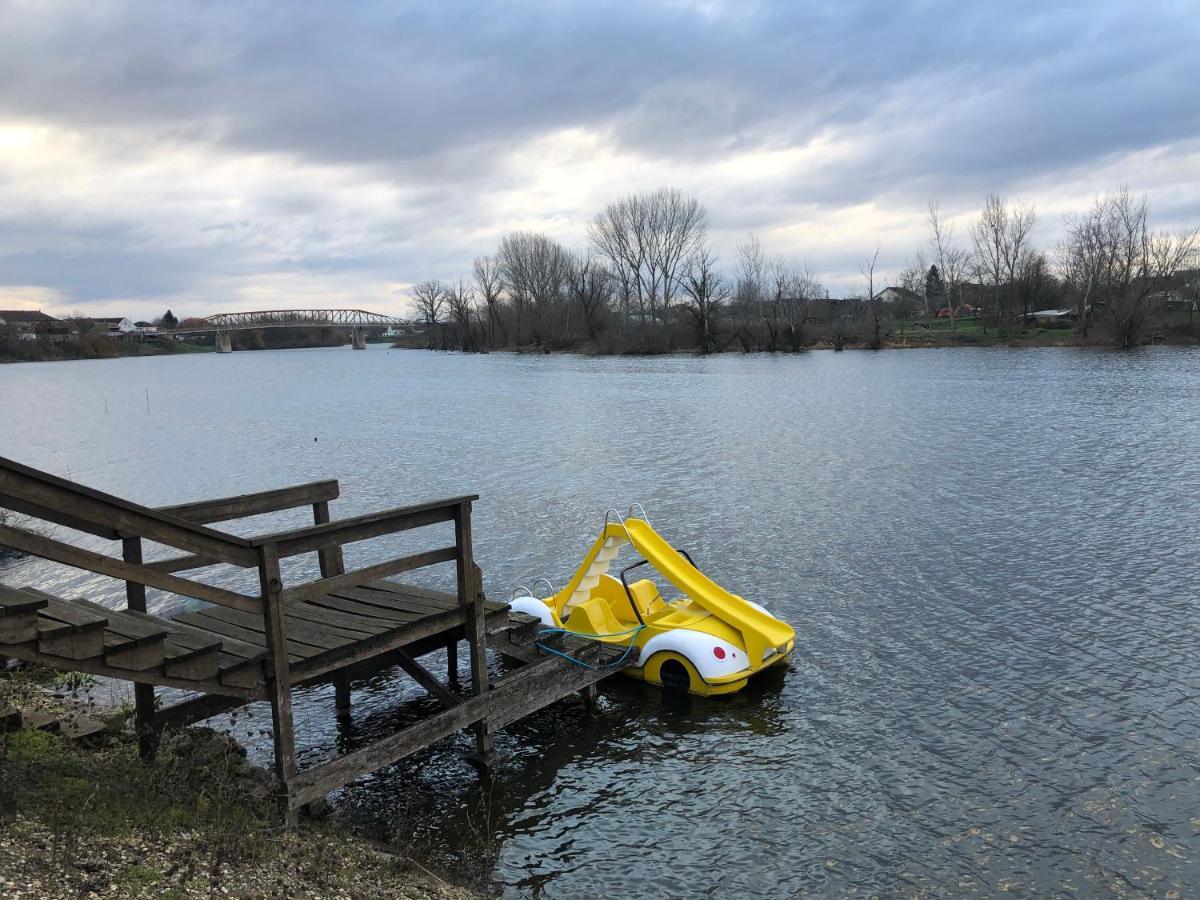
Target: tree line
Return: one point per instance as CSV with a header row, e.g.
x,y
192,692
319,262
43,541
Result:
x,y
649,281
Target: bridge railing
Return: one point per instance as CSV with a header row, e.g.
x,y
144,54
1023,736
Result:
x,y
283,318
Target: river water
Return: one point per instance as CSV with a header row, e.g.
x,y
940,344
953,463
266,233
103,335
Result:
x,y
990,557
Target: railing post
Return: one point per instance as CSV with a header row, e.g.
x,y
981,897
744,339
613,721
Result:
x,y
280,684
333,563
143,694
470,595
330,558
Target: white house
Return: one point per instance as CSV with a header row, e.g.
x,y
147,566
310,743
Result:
x,y
900,295
116,325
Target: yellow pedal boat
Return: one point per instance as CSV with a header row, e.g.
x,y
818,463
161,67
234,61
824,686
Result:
x,y
707,641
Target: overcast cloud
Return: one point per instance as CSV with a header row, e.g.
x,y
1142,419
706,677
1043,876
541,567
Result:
x,y
215,156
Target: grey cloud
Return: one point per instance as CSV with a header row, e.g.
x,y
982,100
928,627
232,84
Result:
x,y
945,99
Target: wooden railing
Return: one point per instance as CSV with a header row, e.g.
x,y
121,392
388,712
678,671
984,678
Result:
x,y
185,527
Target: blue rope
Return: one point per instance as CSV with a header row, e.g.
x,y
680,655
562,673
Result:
x,y
620,661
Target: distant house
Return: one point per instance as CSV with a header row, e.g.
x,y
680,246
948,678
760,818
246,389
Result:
x,y
115,326
405,329
25,324
901,300
1053,316
899,295
146,327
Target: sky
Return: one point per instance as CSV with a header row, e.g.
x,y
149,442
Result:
x,y
223,156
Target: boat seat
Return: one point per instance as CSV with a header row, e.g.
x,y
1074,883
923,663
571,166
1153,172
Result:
x,y
595,617
645,595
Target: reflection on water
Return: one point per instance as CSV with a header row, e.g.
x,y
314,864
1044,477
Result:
x,y
989,556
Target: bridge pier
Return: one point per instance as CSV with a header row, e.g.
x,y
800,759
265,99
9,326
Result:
x,y
223,342
358,338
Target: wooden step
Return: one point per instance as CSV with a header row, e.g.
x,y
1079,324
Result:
x,y
67,630
132,640
39,720
239,663
18,615
83,730
521,629
200,655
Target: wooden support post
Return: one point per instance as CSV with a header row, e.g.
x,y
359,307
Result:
x,y
589,695
470,595
280,686
452,661
143,694
333,563
341,694
330,558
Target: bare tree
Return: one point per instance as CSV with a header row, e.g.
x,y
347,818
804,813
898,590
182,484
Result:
x,y
914,274
534,270
952,261
460,300
987,235
648,240
804,288
707,292
750,287
1018,252
490,286
1111,260
590,285
779,279
874,305
429,298
1032,280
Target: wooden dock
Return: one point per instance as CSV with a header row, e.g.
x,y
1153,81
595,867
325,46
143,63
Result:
x,y
241,648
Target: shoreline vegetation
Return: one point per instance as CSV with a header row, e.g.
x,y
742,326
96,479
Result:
x,y
105,347
648,281
82,815
915,335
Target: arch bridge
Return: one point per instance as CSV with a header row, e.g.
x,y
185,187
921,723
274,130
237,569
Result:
x,y
356,320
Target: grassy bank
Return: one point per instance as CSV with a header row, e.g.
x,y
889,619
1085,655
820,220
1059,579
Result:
x,y
95,820
95,348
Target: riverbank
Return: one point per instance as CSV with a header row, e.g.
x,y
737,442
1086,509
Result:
x,y
44,351
964,334
85,817
104,347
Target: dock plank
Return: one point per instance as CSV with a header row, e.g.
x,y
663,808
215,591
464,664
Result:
x,y
18,615
77,617
14,602
365,610
359,626
322,637
392,600
418,592
296,651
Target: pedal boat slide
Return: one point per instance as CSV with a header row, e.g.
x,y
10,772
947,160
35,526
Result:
x,y
707,641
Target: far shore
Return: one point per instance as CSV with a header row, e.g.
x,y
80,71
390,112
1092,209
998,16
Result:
x,y
912,339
